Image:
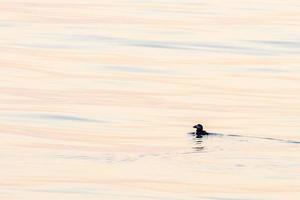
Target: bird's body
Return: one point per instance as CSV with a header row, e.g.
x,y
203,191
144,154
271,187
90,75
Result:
x,y
199,131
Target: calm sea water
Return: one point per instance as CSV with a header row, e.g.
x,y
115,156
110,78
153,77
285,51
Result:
x,y
97,98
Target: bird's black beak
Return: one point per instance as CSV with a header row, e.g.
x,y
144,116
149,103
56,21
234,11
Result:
x,y
195,126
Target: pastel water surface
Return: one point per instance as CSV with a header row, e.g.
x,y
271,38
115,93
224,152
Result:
x,y
97,98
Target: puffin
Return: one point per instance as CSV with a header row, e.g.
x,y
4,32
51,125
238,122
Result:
x,y
199,131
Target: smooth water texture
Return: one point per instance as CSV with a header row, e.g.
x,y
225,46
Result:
x,y
97,98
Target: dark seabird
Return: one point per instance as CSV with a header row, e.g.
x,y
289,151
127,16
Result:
x,y
199,130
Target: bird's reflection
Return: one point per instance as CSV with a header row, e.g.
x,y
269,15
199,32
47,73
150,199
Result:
x,y
198,148
198,143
